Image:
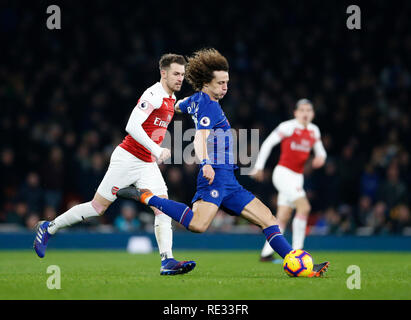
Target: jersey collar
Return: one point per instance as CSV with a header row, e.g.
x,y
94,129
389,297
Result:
x,y
300,126
164,92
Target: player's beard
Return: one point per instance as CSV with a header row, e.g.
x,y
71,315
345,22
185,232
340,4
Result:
x,y
177,87
174,87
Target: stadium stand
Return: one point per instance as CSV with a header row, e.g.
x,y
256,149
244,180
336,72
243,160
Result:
x,y
66,95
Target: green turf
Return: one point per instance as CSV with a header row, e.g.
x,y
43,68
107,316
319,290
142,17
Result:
x,y
218,275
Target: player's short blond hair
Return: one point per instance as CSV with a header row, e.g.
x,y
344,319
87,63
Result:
x,y
202,64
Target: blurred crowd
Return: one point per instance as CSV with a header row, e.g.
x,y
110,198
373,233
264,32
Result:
x,y
66,95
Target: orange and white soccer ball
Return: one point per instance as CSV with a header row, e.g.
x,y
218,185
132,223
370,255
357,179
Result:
x,y
298,263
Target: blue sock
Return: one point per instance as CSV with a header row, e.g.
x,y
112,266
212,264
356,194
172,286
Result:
x,y
176,210
277,240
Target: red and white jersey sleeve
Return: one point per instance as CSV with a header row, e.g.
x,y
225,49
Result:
x,y
272,140
318,147
153,113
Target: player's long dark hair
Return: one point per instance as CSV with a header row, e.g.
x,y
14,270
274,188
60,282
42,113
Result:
x,y
202,64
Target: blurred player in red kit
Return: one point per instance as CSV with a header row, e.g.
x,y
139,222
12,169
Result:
x,y
297,137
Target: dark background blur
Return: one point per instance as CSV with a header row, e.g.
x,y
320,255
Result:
x,y
66,95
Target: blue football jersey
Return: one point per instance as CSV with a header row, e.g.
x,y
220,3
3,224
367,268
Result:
x,y
207,114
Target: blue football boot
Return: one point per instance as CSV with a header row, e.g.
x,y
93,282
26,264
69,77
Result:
x,y
42,237
171,267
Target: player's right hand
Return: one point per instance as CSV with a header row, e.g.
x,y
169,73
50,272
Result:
x,y
165,154
177,105
208,173
258,175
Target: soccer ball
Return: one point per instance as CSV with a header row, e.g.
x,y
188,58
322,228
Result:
x,y
298,263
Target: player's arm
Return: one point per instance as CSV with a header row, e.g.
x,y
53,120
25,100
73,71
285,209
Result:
x,y
200,148
180,107
134,127
272,140
320,155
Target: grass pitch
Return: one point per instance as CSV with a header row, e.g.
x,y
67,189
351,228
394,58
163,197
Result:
x,y
219,275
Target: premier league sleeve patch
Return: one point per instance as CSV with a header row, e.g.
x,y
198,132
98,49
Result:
x,y
205,121
145,106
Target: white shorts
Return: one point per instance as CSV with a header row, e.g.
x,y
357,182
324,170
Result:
x,y
125,169
289,185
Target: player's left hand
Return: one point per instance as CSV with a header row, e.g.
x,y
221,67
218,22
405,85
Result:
x,y
208,173
165,154
318,162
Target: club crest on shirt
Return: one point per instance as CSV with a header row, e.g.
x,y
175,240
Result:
x,y
114,190
214,193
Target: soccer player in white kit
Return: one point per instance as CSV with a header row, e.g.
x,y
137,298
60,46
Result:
x,y
134,162
297,137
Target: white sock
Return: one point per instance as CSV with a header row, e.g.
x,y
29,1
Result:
x,y
299,226
267,249
72,216
164,235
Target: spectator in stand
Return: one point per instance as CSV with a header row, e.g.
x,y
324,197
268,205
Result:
x,y
364,211
127,221
392,191
328,186
9,174
53,178
369,182
401,219
31,192
31,221
378,219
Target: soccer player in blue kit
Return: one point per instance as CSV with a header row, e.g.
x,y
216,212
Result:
x,y
217,186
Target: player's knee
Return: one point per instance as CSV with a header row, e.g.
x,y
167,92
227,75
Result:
x,y
304,210
99,207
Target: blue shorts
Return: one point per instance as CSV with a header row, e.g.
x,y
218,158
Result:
x,y
225,191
